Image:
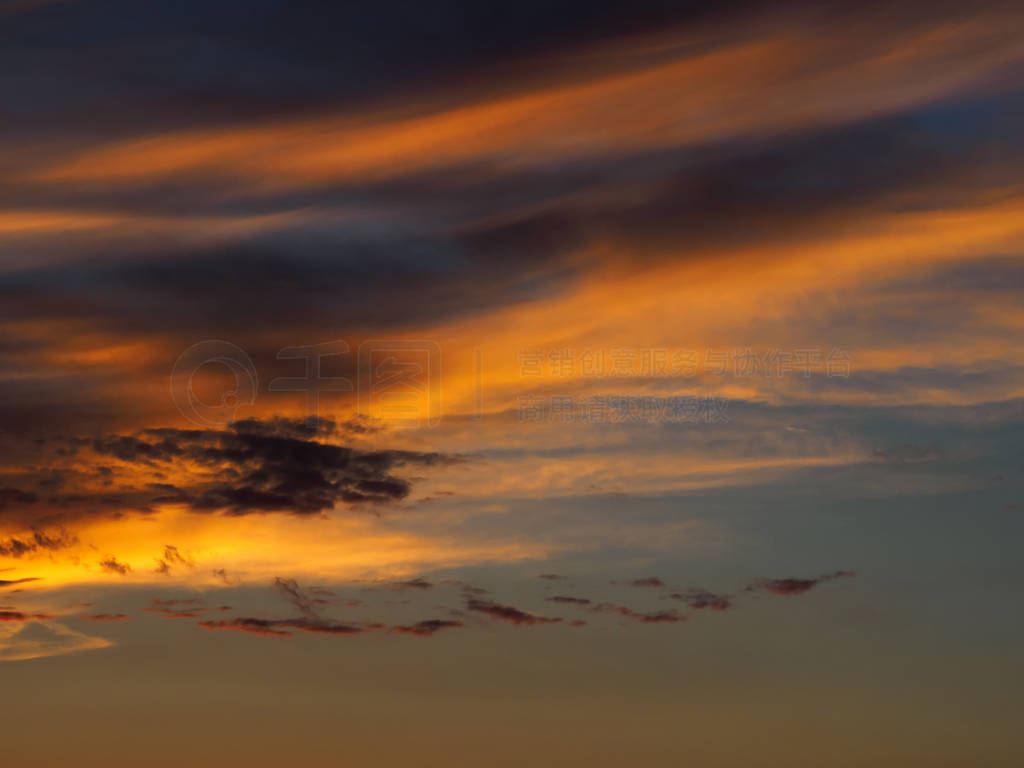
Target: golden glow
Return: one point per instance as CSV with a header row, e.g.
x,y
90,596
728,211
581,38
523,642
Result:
x,y
255,549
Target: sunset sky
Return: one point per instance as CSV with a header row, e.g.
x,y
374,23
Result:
x,y
545,383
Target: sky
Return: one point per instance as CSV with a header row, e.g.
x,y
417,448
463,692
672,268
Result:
x,y
544,383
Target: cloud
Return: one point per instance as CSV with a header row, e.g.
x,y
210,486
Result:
x,y
177,608
171,558
14,582
34,640
788,586
281,426
35,542
426,628
319,626
725,81
507,613
794,586
414,584
281,627
16,496
111,564
252,626
650,581
466,588
223,576
569,600
104,617
654,617
292,592
261,466
19,616
701,598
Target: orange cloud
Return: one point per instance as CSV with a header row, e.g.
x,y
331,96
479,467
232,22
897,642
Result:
x,y
770,82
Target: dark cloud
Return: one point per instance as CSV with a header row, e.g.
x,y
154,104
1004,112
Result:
x,y
36,541
466,588
319,626
793,586
19,616
224,577
111,564
426,628
550,577
786,586
258,466
569,600
177,608
251,466
281,627
684,201
307,599
296,278
507,613
105,617
282,426
13,582
172,556
494,236
252,626
654,617
15,496
293,593
519,235
650,581
414,584
701,598
198,62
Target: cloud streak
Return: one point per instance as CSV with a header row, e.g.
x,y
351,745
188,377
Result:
x,y
794,586
283,627
507,613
